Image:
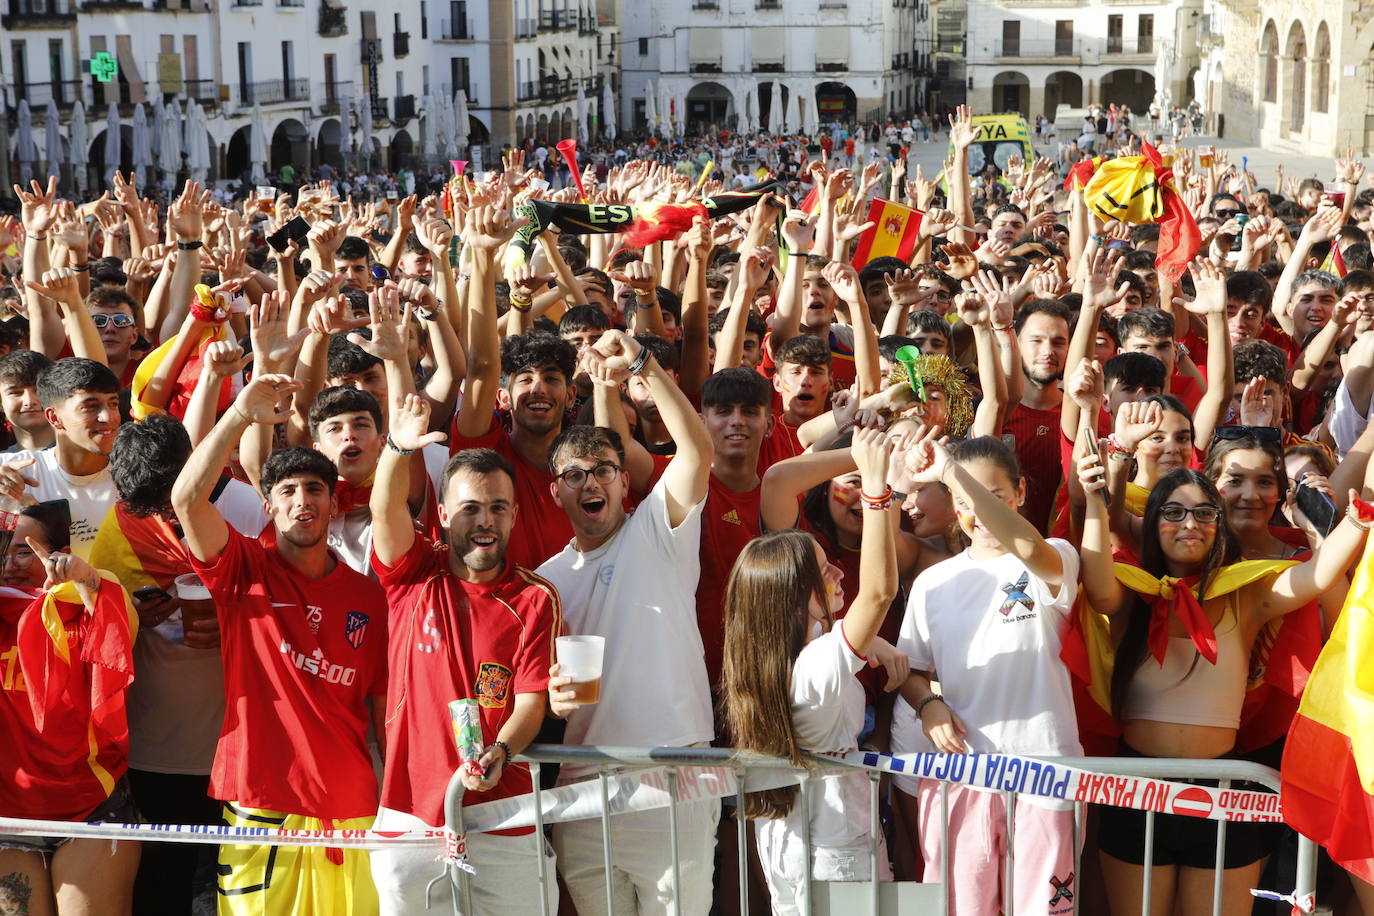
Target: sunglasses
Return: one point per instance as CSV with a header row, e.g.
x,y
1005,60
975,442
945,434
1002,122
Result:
x,y
1205,515
120,321
1260,433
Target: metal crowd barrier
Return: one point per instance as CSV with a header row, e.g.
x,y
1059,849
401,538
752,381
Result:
x,y
882,898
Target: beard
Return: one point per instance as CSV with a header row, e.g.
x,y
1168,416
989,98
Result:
x,y
1044,378
477,560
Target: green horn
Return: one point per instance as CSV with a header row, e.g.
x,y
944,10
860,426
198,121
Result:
x,y
907,356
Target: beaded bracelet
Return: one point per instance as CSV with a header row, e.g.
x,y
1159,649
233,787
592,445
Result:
x,y
877,502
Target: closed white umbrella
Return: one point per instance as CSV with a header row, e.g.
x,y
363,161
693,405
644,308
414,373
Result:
x,y
460,123
113,144
257,143
665,107
794,111
52,141
78,145
650,106
749,121
169,154
26,151
365,126
427,148
582,133
775,109
142,152
159,116
446,145
607,111
197,142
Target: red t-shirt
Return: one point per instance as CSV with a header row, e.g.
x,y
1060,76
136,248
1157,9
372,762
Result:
x,y
49,772
729,520
452,639
780,444
1037,436
541,528
1186,390
301,657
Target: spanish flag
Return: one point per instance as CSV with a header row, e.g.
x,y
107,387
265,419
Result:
x,y
139,550
894,233
1335,263
186,378
1328,764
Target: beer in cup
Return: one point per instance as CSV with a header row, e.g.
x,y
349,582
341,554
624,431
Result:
x,y
267,197
579,657
196,606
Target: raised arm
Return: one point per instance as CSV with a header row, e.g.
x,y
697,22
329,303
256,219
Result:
x,y
393,527
696,311
844,279
1276,595
872,451
754,264
488,232
962,133
785,481
1322,227
1100,290
206,531
685,480
1100,585
1210,303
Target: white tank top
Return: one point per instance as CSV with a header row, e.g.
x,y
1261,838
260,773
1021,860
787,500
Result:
x,y
1208,695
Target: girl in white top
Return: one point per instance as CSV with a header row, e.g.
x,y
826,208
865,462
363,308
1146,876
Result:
x,y
990,621
789,684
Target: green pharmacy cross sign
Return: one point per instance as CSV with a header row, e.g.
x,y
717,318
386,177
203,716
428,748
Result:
x,y
103,66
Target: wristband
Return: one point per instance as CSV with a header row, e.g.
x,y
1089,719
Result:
x,y
190,246
920,707
880,502
1096,238
521,305
1116,450
82,268
1005,327
1360,513
505,749
391,444
640,361
36,238
797,254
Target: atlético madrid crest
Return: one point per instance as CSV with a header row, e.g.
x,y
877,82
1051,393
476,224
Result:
x,y
355,628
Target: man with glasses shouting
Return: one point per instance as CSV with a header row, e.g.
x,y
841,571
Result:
x,y
632,580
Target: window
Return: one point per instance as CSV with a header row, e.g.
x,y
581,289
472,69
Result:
x,y
458,74
1145,34
1321,69
1063,38
1011,38
1269,50
21,67
643,47
245,71
1114,29
287,68
424,21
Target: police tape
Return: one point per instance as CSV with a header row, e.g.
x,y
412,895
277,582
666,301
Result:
x,y
633,790
1043,778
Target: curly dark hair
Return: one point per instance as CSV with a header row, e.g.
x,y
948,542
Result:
x,y
145,461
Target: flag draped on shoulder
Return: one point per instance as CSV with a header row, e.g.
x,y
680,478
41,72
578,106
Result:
x,y
1140,189
1328,763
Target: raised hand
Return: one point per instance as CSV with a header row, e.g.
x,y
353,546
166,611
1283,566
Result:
x,y
937,223
996,295
637,275
389,323
1257,408
844,279
422,297
616,351
1209,285
490,229
410,424
921,190
798,230
268,321
37,207
65,567
962,133
267,398
1101,289
61,286
904,288
1085,385
435,235
959,261
872,450
224,358
1136,421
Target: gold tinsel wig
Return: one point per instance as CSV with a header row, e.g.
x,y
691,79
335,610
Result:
x,y
938,371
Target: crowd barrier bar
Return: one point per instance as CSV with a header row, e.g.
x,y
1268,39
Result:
x,y
745,766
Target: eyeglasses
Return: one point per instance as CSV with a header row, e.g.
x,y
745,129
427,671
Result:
x,y
575,476
119,320
1258,433
1175,512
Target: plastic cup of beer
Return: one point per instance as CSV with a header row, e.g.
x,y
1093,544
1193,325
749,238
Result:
x,y
579,657
267,197
1205,159
196,605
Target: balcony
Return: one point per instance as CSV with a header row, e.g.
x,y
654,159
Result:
x,y
38,14
556,20
270,92
525,28
705,4
111,6
291,4
586,25
206,92
403,109
769,66
380,112
1056,49
553,89
834,4
457,30
400,44
238,4
333,21
524,92
767,4
372,50
831,66
63,93
334,96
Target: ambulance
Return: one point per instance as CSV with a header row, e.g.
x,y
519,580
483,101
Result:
x,y
1000,137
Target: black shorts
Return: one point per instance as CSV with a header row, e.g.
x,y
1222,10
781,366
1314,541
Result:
x,y
1181,840
119,808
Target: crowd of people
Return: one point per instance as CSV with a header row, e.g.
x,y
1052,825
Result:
x,y
287,474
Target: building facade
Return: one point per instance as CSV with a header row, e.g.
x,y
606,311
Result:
x,y
1031,56
1295,76
729,63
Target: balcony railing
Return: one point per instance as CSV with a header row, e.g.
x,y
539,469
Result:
x,y
241,3
526,91
587,25
402,108
400,44
767,4
271,91
525,28
111,6
705,4
457,30
556,20
333,21
63,93
380,112
333,96
1057,47
205,92
769,66
21,14
552,89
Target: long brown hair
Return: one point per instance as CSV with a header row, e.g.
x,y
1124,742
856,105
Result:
x,y
766,623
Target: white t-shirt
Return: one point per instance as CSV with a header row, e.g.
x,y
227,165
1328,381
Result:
x,y
828,714
89,497
992,633
638,591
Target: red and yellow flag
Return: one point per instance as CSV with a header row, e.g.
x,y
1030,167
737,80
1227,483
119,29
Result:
x,y
1328,763
894,233
1335,263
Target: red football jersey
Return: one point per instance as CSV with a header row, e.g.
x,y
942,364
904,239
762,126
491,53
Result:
x,y
729,520
542,528
1037,435
301,657
781,443
457,640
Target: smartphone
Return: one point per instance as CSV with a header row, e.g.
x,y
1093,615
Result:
x,y
1090,443
151,593
1318,508
295,229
